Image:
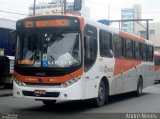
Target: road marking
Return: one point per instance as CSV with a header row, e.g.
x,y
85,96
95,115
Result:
x,y
152,89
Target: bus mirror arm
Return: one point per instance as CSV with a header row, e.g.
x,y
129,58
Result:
x,y
109,53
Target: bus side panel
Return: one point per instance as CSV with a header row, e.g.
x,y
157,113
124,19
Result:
x,y
148,74
90,77
130,76
106,69
102,68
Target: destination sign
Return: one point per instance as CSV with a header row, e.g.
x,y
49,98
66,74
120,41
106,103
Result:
x,y
40,23
47,23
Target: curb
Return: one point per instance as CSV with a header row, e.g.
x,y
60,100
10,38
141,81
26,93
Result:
x,y
4,92
5,95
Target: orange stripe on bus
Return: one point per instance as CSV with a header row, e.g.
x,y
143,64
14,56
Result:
x,y
123,65
48,80
130,36
25,61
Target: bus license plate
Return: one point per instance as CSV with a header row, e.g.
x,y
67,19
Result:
x,y
39,92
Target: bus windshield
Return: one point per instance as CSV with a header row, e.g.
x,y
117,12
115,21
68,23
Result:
x,y
157,60
62,49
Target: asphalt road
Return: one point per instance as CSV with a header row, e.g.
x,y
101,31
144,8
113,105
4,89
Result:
x,y
149,102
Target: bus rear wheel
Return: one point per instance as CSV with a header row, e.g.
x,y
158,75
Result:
x,y
49,102
138,92
102,95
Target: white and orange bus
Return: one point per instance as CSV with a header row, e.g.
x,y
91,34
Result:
x,y
63,57
157,66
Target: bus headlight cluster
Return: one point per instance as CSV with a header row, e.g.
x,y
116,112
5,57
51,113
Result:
x,y
70,82
19,82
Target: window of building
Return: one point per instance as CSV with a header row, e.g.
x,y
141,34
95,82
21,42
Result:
x,y
105,43
118,46
124,25
37,8
43,7
49,6
143,34
30,8
129,49
152,33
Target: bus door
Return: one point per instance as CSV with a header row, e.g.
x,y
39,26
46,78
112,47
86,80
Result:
x,y
90,56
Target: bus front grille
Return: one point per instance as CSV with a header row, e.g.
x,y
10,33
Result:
x,y
48,94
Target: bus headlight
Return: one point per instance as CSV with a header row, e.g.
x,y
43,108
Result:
x,y
19,82
70,82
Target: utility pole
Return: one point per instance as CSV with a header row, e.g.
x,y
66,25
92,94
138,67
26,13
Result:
x,y
147,30
65,4
147,24
109,10
34,7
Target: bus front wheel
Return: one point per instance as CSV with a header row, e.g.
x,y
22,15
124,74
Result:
x,y
102,95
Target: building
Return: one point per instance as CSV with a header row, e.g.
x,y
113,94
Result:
x,y
7,25
154,33
46,8
57,7
130,13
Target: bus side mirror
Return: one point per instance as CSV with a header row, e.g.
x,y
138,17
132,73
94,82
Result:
x,y
77,5
12,42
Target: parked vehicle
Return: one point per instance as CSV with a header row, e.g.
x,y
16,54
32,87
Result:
x,y
157,66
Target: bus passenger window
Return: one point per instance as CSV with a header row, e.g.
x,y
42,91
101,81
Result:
x,y
137,51
129,49
150,53
105,44
144,52
118,46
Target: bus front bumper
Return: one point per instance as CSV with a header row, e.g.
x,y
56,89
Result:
x,y
73,92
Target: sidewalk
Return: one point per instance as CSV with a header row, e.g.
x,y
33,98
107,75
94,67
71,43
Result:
x,y
5,92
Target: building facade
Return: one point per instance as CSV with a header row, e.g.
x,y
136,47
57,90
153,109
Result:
x,y
46,8
154,33
57,7
7,25
130,13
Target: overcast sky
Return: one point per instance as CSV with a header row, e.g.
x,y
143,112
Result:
x,y
99,8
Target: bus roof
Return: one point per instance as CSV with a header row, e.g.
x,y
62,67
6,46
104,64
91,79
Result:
x,y
101,26
69,15
118,32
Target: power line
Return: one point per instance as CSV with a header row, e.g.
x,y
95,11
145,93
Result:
x,y
22,2
12,12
